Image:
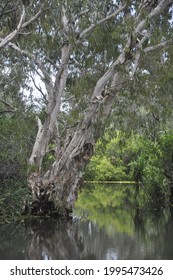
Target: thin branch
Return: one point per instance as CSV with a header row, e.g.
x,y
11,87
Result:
x,y
138,54
154,13
10,36
117,85
158,46
8,105
83,12
58,138
18,49
6,111
39,89
42,68
8,12
93,26
47,78
21,25
24,33
3,12
34,17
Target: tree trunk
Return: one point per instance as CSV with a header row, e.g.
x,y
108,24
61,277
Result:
x,y
55,190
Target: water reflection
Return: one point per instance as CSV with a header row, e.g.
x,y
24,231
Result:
x,y
109,223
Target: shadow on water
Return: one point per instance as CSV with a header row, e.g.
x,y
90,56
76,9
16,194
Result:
x,y
109,222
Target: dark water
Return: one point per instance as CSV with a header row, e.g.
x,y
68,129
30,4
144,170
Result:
x,y
109,222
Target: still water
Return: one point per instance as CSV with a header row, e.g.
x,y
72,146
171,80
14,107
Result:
x,y
109,222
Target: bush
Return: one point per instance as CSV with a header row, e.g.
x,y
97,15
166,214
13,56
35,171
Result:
x,y
137,158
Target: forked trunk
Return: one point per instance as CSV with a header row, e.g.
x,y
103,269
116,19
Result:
x,y
56,192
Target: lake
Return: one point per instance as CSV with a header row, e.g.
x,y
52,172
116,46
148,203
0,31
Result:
x,y
109,222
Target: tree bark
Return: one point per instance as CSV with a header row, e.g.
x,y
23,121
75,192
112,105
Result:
x,y
56,191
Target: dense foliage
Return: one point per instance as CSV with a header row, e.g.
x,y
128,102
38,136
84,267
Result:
x,y
136,158
16,139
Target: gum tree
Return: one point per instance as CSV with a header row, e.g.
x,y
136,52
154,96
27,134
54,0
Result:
x,y
86,53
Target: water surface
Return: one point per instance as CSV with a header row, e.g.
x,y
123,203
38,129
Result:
x,y
109,222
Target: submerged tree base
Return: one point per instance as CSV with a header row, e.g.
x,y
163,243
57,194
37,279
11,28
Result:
x,y
55,195
43,209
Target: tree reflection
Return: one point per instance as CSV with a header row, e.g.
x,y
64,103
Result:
x,y
108,223
53,240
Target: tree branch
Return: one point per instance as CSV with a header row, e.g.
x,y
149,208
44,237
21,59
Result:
x,y
158,46
10,36
18,49
154,13
34,17
93,26
8,12
5,10
47,78
39,123
6,111
83,13
39,89
136,62
8,105
21,25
